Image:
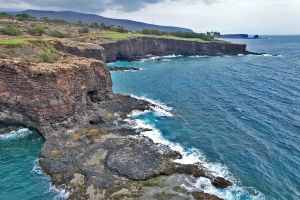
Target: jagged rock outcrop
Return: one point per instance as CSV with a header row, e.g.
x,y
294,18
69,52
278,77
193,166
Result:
x,y
90,147
51,97
137,48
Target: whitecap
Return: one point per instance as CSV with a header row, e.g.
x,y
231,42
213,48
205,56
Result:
x,y
16,134
158,107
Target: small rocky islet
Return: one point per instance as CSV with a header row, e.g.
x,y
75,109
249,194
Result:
x,y
62,89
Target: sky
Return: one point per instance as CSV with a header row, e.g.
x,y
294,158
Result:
x,y
225,16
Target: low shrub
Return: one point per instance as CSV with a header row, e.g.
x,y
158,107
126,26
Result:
x,y
10,30
5,15
57,34
37,31
48,57
49,54
24,16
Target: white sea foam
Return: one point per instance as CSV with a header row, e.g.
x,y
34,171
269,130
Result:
x,y
267,55
198,56
16,134
194,156
37,168
172,56
162,58
158,107
133,70
61,194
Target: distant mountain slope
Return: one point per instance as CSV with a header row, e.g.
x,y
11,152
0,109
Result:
x,y
90,18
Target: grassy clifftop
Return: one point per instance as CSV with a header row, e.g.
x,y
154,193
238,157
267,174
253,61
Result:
x,y
113,35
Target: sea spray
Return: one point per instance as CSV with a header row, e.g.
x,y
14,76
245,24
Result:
x,y
59,193
23,132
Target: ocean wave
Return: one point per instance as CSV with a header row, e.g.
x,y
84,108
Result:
x,y
161,58
36,167
131,70
194,156
61,194
270,55
16,134
198,56
159,108
267,55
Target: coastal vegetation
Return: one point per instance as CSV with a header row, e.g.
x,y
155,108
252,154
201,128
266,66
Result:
x,y
136,35
203,36
10,25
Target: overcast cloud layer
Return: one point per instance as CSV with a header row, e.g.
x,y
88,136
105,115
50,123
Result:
x,y
83,5
226,16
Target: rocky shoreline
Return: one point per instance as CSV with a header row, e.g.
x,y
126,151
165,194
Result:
x,y
90,149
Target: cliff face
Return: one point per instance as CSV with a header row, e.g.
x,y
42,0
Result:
x,y
136,48
87,50
51,97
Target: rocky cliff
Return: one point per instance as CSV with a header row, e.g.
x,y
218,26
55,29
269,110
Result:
x,y
51,97
137,48
90,147
87,50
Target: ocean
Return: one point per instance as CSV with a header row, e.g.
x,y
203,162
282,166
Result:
x,y
239,116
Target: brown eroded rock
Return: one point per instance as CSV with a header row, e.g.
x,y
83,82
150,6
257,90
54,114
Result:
x,y
51,97
137,48
88,50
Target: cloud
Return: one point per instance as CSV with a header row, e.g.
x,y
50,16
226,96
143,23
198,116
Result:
x,y
91,6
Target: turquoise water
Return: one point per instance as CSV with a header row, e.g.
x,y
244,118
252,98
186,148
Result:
x,y
20,174
238,115
241,112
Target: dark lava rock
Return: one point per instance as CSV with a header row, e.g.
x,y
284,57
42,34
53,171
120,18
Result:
x,y
136,162
199,173
185,169
204,196
220,182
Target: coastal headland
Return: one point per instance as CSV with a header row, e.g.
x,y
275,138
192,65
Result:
x,y
62,88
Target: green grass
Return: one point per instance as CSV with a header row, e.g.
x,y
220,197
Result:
x,y
18,41
135,35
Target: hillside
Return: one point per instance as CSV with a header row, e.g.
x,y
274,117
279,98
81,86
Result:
x,y
70,16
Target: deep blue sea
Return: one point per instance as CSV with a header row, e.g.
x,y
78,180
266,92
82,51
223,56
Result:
x,y
242,112
239,116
